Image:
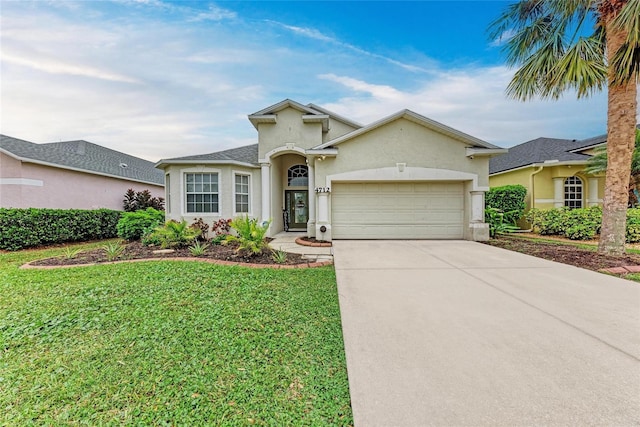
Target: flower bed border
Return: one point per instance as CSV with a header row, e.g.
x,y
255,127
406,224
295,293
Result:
x,y
210,261
300,241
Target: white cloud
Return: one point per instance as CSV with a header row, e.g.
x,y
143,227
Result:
x,y
214,13
503,38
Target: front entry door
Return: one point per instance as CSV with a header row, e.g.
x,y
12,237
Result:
x,y
297,205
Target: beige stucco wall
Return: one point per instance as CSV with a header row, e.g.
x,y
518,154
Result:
x,y
50,187
289,128
176,206
336,130
402,141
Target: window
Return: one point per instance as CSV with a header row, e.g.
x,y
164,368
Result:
x,y
573,192
298,176
202,192
242,193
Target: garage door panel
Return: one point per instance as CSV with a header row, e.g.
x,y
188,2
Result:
x,y
397,210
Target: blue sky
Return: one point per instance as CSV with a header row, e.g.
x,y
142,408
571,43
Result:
x,y
160,79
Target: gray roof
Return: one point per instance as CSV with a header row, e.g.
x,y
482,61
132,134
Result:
x,y
246,154
84,156
538,151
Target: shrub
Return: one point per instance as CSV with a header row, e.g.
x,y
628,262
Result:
x,y
140,200
251,235
508,199
221,227
134,225
497,222
202,226
176,234
24,228
576,224
633,225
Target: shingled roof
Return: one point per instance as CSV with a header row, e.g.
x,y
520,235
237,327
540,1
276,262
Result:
x,y
540,150
83,156
247,154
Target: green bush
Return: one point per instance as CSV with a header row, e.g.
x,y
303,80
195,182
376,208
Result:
x,y
25,228
176,234
134,225
250,235
508,199
633,225
575,224
497,223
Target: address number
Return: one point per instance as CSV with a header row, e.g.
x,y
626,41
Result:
x,y
323,189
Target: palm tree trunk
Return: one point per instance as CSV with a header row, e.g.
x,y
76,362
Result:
x,y
621,125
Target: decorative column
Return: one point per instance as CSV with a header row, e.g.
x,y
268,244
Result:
x,y
477,206
592,199
323,227
558,192
266,191
311,224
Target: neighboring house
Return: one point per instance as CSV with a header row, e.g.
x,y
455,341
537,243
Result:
x,y
71,175
552,170
404,176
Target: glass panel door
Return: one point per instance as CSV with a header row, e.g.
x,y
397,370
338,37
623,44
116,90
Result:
x,y
297,208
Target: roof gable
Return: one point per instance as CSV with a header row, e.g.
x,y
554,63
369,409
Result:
x,y
83,156
416,118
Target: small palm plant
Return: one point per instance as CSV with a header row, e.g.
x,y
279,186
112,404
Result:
x,y
250,235
70,253
279,256
176,234
198,249
113,250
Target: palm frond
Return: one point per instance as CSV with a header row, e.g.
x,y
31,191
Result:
x,y
581,68
626,61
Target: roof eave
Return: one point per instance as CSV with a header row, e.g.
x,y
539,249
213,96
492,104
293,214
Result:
x,y
485,152
167,162
543,164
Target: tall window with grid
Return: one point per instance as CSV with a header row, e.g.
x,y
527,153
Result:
x,y
573,192
201,192
242,193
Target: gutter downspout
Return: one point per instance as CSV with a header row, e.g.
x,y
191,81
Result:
x,y
532,183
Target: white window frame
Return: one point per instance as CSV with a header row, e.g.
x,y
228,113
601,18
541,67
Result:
x,y
183,199
573,188
249,194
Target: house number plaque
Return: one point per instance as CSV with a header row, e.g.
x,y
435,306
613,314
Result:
x,y
323,189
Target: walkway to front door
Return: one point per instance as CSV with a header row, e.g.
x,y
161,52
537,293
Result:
x,y
461,333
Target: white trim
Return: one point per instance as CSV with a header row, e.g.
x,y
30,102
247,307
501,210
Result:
x,y
546,163
409,174
484,152
167,192
22,181
183,191
168,162
288,148
545,201
235,173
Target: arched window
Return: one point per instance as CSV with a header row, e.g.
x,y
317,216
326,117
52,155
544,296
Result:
x,y
573,192
298,176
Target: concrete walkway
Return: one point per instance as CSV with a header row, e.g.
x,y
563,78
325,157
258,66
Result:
x,y
456,333
286,241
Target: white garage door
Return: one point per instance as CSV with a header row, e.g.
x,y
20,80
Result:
x,y
415,210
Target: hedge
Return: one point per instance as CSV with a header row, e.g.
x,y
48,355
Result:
x,y
25,228
134,225
579,224
508,199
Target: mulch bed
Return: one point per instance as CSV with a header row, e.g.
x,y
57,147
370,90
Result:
x,y
312,241
579,257
135,250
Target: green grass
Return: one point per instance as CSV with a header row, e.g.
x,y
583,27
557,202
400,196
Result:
x,y
169,343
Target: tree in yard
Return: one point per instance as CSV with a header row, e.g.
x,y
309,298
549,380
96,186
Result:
x,y
555,52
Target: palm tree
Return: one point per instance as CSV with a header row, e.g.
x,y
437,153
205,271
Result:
x,y
555,51
598,164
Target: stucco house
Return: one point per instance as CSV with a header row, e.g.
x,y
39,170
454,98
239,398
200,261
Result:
x,y
404,176
71,175
552,170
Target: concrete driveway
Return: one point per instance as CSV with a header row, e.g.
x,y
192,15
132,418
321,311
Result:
x,y
456,333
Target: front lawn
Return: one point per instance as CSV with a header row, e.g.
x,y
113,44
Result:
x,y
169,343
